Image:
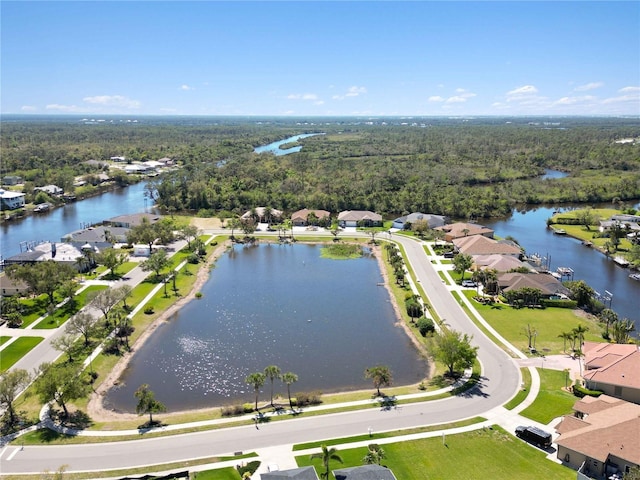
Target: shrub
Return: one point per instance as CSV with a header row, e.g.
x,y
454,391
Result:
x,y
580,391
148,310
250,467
425,326
305,399
233,410
198,294
193,258
560,303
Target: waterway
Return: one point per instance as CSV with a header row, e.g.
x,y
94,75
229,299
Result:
x,y
324,320
528,227
53,225
275,146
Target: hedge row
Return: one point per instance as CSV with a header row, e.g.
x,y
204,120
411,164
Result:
x,y
580,391
560,303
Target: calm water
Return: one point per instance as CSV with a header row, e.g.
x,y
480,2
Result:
x,y
529,228
325,320
53,225
275,146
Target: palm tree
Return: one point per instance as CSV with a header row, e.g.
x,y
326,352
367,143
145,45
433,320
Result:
x,y
289,378
621,330
272,372
326,455
374,454
565,336
608,317
256,380
381,375
579,332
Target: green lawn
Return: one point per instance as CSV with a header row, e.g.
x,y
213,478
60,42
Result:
x,y
551,401
18,349
548,322
228,473
62,314
523,392
4,339
485,453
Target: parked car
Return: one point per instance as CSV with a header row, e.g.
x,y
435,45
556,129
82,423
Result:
x,y
448,255
535,436
469,283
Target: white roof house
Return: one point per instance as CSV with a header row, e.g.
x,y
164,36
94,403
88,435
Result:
x,y
11,200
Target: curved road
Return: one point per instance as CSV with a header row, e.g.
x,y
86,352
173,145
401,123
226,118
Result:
x,y
499,383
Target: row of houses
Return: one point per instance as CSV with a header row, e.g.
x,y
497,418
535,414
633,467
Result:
x,y
364,472
307,217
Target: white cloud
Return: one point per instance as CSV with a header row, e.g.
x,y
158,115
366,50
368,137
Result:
x,y
575,100
588,86
302,96
354,91
463,96
436,98
113,101
524,90
629,89
64,108
28,108
186,87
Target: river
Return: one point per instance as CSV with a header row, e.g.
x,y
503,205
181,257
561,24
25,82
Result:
x,y
529,228
53,225
275,146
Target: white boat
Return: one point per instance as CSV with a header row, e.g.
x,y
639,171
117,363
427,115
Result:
x,y
621,261
635,276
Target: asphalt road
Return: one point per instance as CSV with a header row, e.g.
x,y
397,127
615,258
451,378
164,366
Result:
x,y
499,383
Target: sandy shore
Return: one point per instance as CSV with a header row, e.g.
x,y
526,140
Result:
x,y
95,407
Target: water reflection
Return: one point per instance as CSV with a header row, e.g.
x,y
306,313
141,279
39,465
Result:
x,y
325,320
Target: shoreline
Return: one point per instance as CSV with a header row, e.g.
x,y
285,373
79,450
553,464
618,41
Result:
x,y
99,413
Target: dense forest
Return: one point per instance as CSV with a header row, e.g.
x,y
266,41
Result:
x,y
464,168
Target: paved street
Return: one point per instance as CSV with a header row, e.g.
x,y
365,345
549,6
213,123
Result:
x,y
499,383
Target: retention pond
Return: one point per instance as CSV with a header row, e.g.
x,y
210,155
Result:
x,y
324,320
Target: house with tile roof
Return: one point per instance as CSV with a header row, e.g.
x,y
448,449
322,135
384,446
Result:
x,y
405,222
548,285
613,369
499,263
481,245
356,218
301,217
461,229
302,473
601,438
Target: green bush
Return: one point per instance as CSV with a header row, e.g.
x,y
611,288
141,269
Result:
x,y
304,399
425,326
580,391
148,310
250,467
560,303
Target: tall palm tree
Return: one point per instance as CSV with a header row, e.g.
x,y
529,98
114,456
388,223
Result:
x,y
256,380
579,332
608,317
621,330
326,455
289,378
565,336
381,376
272,372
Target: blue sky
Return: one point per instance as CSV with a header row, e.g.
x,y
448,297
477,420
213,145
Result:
x,y
321,58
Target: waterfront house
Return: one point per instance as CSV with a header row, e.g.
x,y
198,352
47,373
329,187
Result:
x,y
460,229
262,214
481,245
600,439
68,253
613,369
359,218
133,220
98,234
548,285
52,190
10,200
301,217
405,222
499,263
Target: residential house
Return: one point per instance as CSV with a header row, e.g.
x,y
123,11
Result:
x,y
165,161
481,245
357,218
365,472
264,214
601,438
613,369
301,217
9,286
118,159
68,253
458,230
138,168
133,220
548,285
52,190
302,473
11,180
405,222
500,263
98,234
10,200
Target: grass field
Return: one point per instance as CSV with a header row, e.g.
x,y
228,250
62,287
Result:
x,y
551,401
18,349
523,392
485,453
4,339
549,323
